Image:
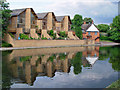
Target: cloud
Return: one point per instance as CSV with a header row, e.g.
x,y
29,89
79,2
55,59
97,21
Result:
x,y
86,8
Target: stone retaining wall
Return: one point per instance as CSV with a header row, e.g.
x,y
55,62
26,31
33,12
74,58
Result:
x,y
46,43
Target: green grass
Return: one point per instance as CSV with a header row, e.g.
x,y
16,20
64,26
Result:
x,y
106,41
115,84
5,44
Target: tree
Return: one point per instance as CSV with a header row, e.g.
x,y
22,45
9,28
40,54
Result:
x,y
76,25
103,27
114,32
5,11
88,20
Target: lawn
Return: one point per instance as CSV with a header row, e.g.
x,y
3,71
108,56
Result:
x,y
115,84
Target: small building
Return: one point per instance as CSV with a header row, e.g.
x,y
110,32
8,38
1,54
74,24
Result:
x,y
90,32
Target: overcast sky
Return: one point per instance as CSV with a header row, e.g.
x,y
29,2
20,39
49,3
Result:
x,y
101,11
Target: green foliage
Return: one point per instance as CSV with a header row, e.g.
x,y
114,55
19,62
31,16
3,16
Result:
x,y
61,38
115,84
113,54
5,44
12,35
51,58
5,15
104,37
23,36
62,34
88,20
77,63
114,32
5,53
22,59
62,56
43,38
52,34
103,27
76,25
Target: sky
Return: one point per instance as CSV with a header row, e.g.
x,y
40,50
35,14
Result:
x,y
101,11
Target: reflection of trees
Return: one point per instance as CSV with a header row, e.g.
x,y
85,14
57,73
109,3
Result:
x,y
104,53
115,58
77,63
113,54
6,75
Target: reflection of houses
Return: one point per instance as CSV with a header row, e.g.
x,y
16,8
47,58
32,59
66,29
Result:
x,y
28,68
90,32
90,57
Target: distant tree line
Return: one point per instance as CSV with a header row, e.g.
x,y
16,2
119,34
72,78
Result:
x,y
112,30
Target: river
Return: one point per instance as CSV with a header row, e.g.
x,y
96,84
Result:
x,y
70,67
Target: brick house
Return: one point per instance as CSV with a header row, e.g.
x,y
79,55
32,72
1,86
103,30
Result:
x,y
22,21
34,25
90,32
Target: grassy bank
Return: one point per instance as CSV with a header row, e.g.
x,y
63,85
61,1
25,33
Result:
x,y
5,44
115,84
106,41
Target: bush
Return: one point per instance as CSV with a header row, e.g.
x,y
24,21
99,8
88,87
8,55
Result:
x,y
52,34
43,38
62,34
61,38
22,59
104,37
12,35
23,36
5,44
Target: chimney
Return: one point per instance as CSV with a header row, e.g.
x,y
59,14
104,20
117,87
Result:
x,y
84,22
92,22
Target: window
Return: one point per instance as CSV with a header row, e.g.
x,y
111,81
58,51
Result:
x,y
18,19
88,33
95,33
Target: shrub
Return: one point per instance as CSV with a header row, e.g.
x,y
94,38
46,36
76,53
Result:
x,y
61,38
63,34
12,35
22,59
104,37
5,44
23,36
43,38
52,34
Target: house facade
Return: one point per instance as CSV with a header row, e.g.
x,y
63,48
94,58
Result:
x,y
90,32
22,21
34,25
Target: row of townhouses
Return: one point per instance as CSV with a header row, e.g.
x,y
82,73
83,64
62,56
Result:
x,y
36,25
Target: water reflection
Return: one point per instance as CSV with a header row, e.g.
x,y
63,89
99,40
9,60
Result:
x,y
23,66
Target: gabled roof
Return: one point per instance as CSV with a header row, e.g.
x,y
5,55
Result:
x,y
41,15
92,28
60,18
85,26
16,12
91,60
89,27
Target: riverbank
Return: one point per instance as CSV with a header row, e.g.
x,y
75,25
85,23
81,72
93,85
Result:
x,y
103,43
19,48
115,84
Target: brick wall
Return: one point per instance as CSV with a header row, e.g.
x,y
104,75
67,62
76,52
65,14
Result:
x,y
46,43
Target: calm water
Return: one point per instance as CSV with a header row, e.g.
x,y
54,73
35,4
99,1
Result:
x,y
75,67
